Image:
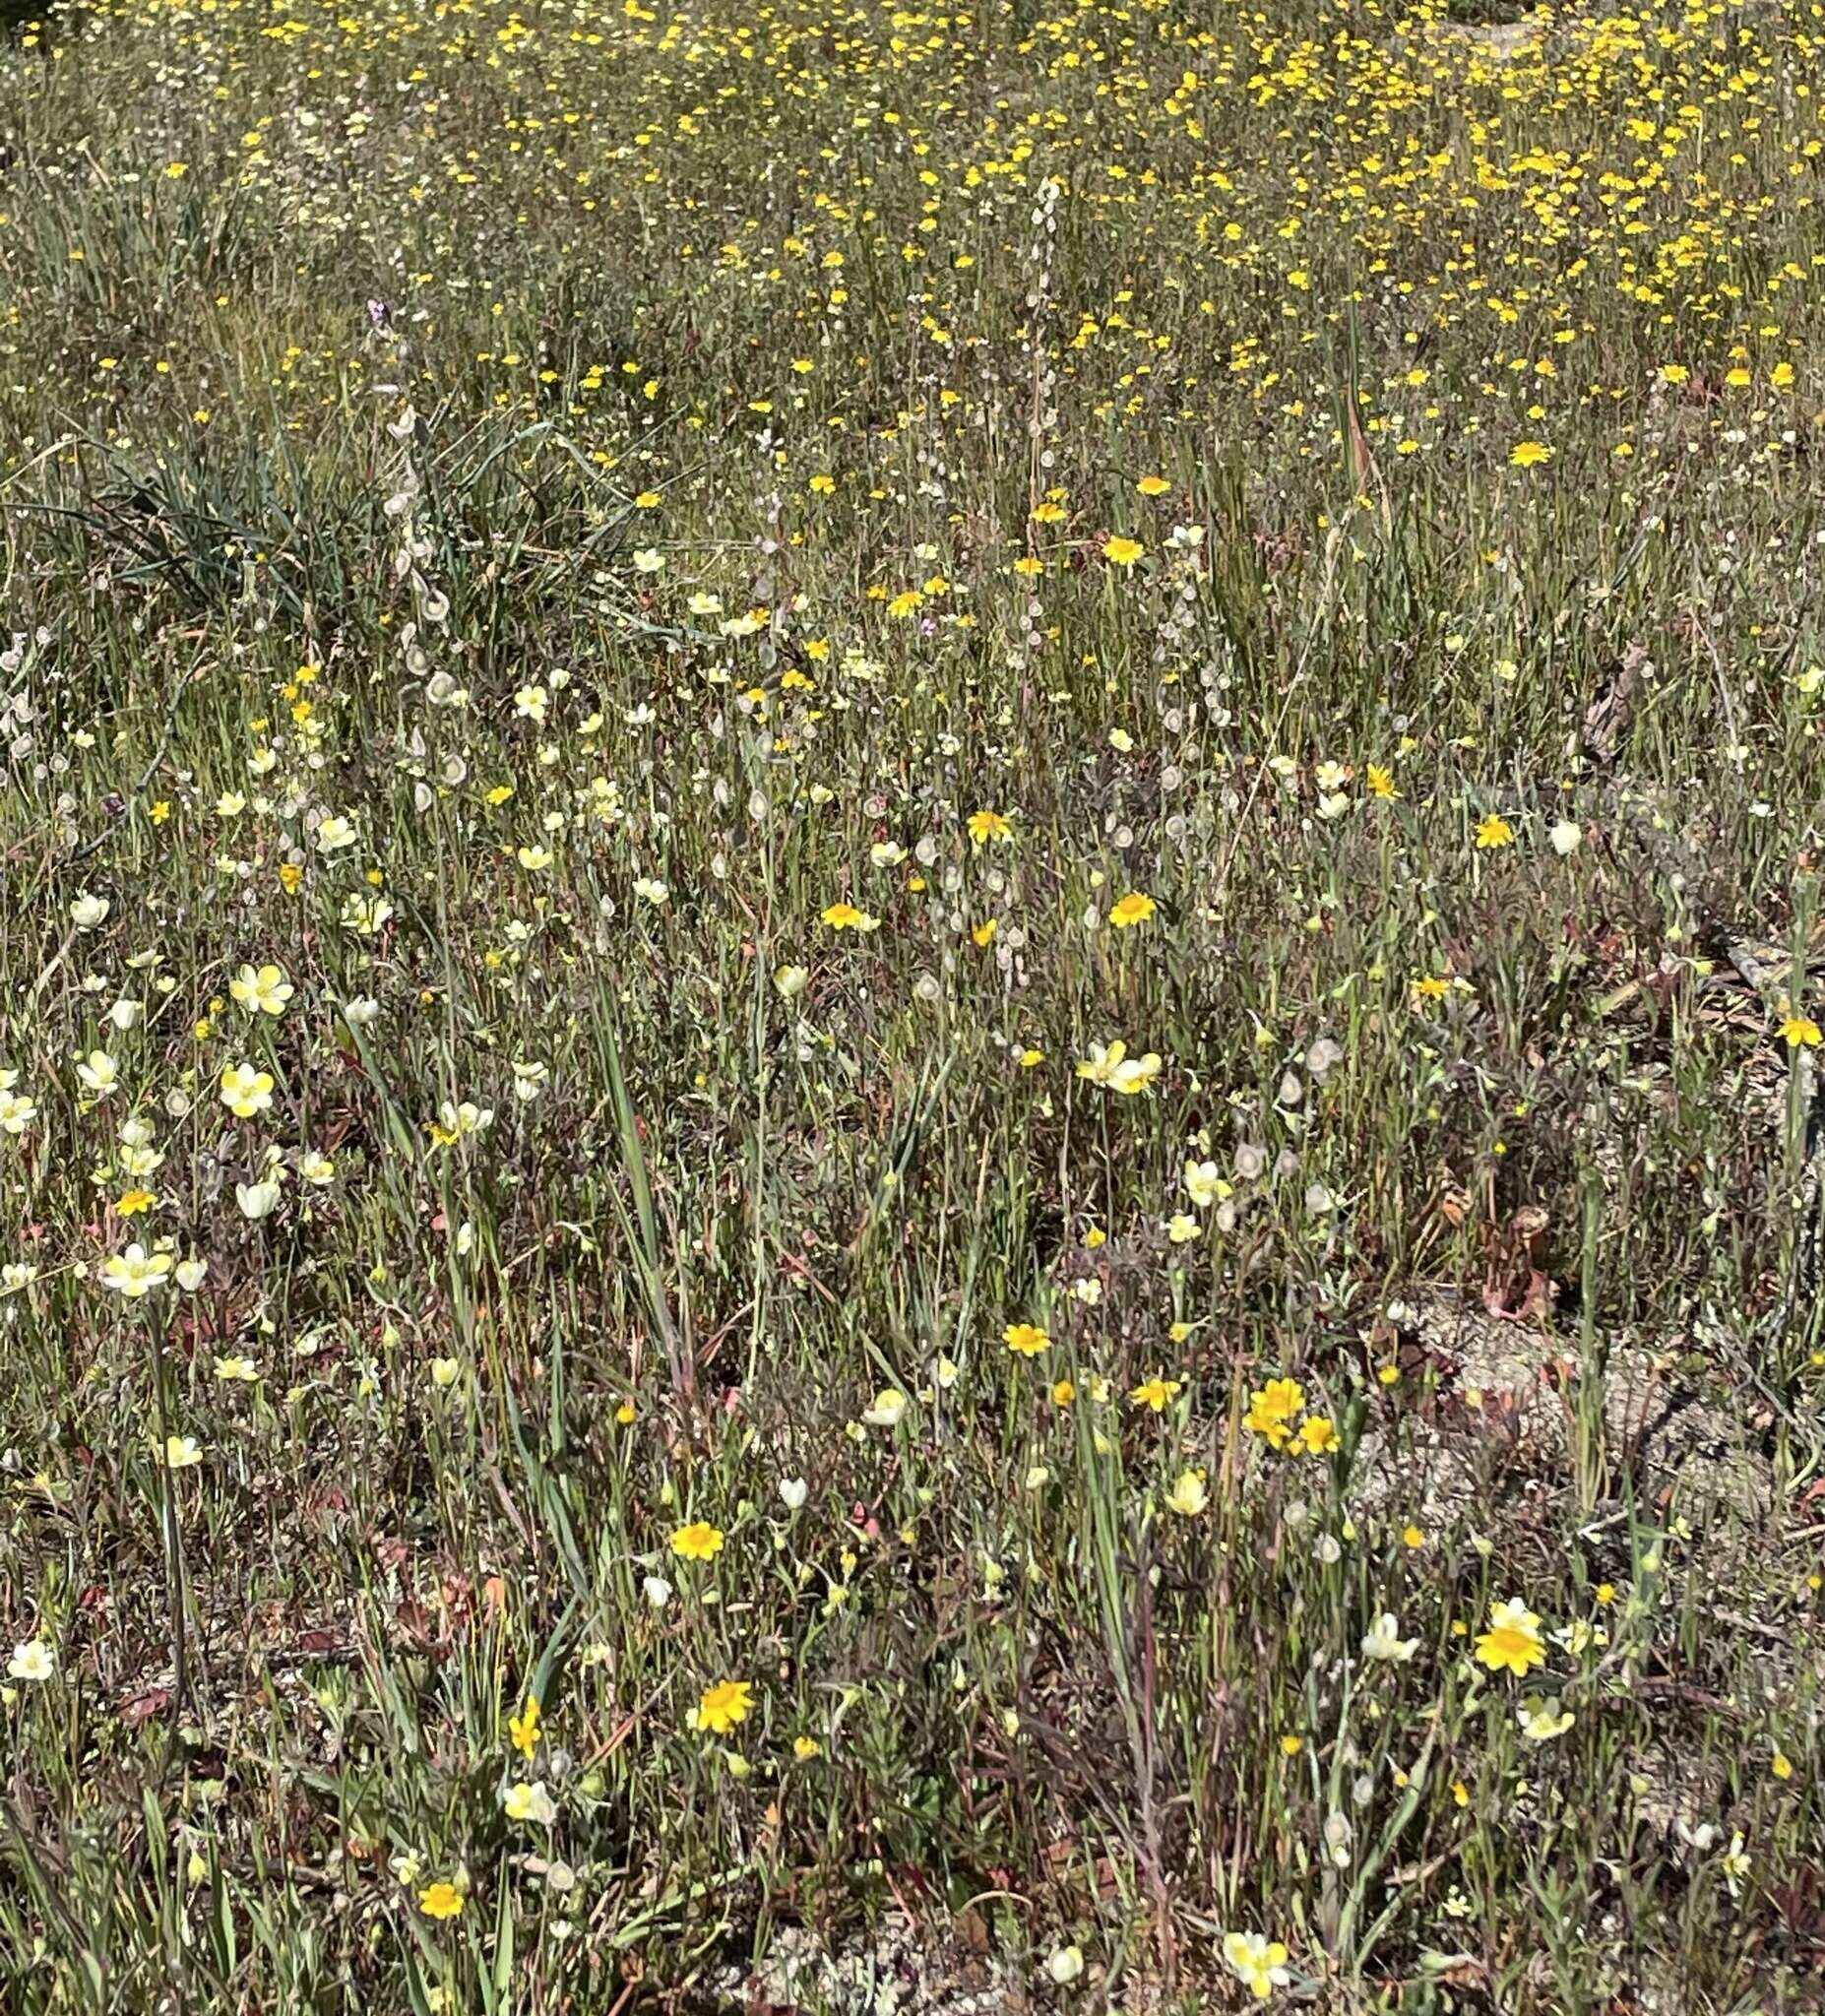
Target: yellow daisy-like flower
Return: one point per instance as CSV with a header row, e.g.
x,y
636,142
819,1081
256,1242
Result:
x,y
1152,487
1800,1033
1529,454
1158,1393
1271,1408
1493,831
441,1900
1122,553
1317,1435
724,1705
1026,1339
1134,908
1512,1643
523,1728
845,916
987,826
698,1541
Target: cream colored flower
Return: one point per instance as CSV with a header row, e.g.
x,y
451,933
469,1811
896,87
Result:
x,y
261,990
529,1801
135,1272
35,1661
245,1091
1188,1496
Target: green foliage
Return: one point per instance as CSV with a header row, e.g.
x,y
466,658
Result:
x,y
1147,672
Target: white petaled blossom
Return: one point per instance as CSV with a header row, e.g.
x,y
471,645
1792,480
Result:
x,y
1260,1962
1189,1495
365,914
1117,1071
34,1660
98,1073
457,1120
17,1109
1541,1720
1383,1641
261,990
245,1091
135,1272
138,1157
530,1078
529,1801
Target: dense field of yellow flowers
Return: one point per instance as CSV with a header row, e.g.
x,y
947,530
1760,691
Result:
x,y
910,979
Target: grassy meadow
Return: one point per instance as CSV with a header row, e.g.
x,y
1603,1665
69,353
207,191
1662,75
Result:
x,y
911,954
